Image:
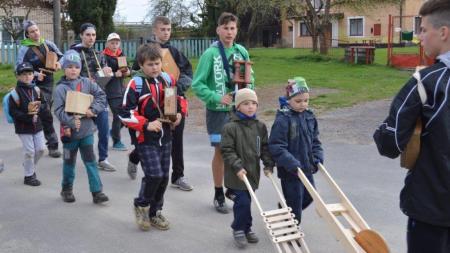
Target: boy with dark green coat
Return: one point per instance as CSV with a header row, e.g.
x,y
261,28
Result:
x,y
244,143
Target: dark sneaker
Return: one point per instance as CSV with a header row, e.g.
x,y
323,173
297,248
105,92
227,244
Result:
x,y
142,219
159,221
220,205
230,195
106,166
31,180
99,197
119,146
54,153
67,196
251,237
132,170
239,238
182,184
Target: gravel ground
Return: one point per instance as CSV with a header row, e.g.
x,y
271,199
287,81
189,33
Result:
x,y
352,125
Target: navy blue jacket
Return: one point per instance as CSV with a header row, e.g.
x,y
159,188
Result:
x,y
426,194
294,142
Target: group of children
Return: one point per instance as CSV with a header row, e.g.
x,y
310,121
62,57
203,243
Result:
x,y
239,137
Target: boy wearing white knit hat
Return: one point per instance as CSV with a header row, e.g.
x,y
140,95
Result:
x,y
244,143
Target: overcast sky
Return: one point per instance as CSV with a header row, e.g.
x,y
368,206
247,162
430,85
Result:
x,y
132,10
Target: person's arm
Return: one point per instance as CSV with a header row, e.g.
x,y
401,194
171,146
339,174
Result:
x,y
200,85
17,113
317,149
394,133
185,78
59,104
228,149
54,48
129,114
266,157
99,104
278,145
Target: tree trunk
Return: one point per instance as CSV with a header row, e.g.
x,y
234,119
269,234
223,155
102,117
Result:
x,y
325,38
315,42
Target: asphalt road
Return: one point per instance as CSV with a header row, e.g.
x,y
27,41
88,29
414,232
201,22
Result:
x,y
37,220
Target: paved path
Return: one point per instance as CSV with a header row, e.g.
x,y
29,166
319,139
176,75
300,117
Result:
x,y
36,220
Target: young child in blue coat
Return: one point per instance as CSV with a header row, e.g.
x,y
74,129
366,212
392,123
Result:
x,y
294,143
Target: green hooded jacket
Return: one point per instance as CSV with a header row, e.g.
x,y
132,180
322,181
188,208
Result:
x,y
210,78
244,143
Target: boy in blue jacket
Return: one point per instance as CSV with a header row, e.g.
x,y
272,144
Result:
x,y
294,143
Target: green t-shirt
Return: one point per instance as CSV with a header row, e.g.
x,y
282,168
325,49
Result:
x,y
210,78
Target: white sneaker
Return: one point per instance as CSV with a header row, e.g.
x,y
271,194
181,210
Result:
x,y
106,166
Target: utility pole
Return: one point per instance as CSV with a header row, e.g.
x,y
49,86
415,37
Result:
x,y
57,22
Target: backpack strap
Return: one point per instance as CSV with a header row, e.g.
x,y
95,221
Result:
x,y
420,87
167,78
15,96
38,53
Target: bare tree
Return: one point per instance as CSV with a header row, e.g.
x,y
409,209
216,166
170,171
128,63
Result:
x,y
182,13
11,23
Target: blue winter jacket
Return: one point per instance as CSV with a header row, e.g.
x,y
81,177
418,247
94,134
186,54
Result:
x,y
294,142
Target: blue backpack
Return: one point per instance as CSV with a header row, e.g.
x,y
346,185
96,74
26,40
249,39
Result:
x,y
5,102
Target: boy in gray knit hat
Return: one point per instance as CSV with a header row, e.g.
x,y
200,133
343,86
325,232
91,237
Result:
x,y
77,133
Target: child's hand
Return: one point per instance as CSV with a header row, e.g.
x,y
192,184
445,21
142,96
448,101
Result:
x,y
58,66
241,174
41,76
154,126
177,122
67,132
77,122
268,171
118,73
90,114
226,99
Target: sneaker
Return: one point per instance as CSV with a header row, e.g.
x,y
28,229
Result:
x,y
229,194
182,184
67,195
159,221
239,238
220,205
99,197
31,180
54,153
106,166
132,170
119,146
142,219
251,237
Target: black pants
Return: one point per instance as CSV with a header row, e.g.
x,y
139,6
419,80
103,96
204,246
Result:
x,y
115,104
177,153
427,238
47,121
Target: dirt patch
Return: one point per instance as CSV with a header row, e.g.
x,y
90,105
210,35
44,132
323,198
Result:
x,y
354,124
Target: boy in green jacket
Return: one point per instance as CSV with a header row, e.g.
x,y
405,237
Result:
x,y
213,85
244,143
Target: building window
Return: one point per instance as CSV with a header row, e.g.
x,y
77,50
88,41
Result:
x,y
356,26
290,28
304,32
417,22
376,29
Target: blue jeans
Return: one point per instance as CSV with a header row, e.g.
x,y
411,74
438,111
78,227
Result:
x,y
296,195
103,128
241,211
86,146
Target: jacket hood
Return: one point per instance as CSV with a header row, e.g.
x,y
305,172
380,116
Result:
x,y
29,42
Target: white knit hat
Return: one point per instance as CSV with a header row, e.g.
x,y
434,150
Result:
x,y
244,95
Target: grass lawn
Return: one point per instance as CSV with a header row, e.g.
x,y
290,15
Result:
x,y
272,67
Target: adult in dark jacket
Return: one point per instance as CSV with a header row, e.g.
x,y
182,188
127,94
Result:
x,y
162,28
425,198
34,50
91,64
115,88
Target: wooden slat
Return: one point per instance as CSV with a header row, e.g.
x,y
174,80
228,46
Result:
x,y
336,208
287,238
286,247
284,231
275,212
282,224
281,217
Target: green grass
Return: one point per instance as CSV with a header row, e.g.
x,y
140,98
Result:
x,y
272,67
